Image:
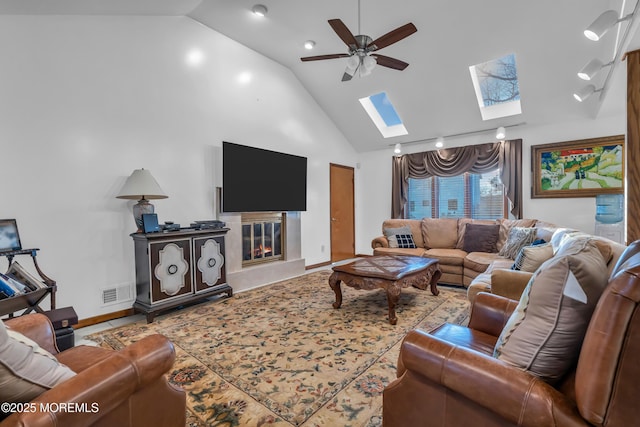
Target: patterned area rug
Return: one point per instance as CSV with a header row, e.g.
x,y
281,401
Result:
x,y
282,355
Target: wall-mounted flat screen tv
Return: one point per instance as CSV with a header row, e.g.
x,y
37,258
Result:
x,y
258,180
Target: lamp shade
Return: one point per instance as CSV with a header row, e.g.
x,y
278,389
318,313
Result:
x,y
141,185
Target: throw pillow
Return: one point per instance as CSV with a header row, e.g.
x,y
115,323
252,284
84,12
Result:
x,y
518,238
26,369
392,235
545,332
481,238
531,257
405,241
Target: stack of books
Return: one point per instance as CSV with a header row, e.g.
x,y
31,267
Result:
x,y
18,281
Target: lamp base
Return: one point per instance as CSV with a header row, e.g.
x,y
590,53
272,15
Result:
x,y
142,207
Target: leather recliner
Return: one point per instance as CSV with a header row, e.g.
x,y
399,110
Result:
x,y
448,377
119,388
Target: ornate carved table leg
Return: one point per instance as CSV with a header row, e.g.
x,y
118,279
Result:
x,y
434,281
393,294
334,282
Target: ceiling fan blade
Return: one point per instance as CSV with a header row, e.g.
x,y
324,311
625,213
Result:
x,y
343,32
392,37
386,61
321,57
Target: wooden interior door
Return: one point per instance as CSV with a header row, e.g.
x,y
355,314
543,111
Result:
x,y
342,209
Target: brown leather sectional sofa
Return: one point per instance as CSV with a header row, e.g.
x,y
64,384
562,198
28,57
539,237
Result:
x,y
448,377
127,387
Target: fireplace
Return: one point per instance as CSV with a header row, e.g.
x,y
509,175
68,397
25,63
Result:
x,y
262,237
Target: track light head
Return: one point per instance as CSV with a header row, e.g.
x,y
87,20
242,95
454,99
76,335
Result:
x,y
591,69
501,133
440,142
602,24
397,149
585,93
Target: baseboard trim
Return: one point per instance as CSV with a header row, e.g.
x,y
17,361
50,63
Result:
x,y
322,264
104,318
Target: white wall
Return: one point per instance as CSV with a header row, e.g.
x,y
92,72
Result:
x,y
86,100
375,176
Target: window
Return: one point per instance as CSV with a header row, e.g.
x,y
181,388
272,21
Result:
x,y
497,89
479,196
384,115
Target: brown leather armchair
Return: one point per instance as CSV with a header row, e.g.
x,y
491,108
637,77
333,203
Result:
x,y
448,377
128,386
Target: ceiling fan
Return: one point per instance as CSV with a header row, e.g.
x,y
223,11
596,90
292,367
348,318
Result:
x,y
362,60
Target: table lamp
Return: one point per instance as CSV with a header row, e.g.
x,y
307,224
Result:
x,y
141,186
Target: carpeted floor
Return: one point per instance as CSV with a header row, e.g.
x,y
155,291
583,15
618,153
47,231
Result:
x,y
282,355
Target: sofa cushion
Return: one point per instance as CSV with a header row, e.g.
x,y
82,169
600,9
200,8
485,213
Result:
x,y
413,224
519,237
26,369
531,257
399,237
440,233
481,238
507,224
545,332
399,251
447,256
462,228
479,261
545,230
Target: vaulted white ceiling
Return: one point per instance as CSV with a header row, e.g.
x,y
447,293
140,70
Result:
x,y
434,96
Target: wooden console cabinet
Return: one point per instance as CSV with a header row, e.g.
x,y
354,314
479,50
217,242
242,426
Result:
x,y
175,268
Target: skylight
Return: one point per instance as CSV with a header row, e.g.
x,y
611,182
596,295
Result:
x,y
383,115
496,86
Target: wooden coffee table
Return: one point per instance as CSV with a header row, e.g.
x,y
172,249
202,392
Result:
x,y
389,272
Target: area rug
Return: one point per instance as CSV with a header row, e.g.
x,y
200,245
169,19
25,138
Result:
x,y
281,355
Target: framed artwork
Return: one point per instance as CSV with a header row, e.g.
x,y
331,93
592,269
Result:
x,y
582,168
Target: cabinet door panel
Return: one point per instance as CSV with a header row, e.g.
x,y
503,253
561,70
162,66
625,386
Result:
x,y
208,268
170,269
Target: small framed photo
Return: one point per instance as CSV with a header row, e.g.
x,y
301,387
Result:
x,y
9,237
583,168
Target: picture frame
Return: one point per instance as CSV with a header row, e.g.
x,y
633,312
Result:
x,y
581,168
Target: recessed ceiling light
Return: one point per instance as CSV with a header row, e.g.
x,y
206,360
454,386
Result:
x,y
259,9
309,44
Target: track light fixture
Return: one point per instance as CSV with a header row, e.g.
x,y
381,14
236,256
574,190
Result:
x,y
603,23
397,149
585,93
592,68
501,133
440,142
